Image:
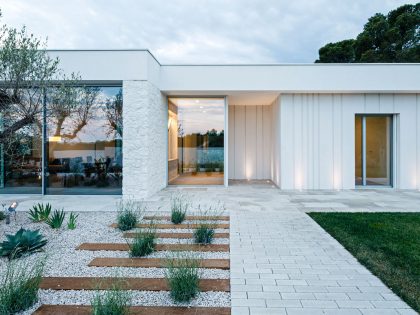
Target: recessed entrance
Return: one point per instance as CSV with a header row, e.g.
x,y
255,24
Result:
x,y
196,141
373,150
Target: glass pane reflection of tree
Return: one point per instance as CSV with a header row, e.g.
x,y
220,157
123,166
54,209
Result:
x,y
21,149
85,142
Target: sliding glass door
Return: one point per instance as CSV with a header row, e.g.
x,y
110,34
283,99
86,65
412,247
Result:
x,y
196,141
373,151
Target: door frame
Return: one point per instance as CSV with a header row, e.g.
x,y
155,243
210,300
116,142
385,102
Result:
x,y
392,153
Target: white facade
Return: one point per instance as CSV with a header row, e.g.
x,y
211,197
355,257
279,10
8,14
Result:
x,y
292,124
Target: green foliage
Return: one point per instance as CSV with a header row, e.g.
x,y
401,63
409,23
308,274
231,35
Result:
x,y
391,38
21,243
204,233
56,220
71,225
2,216
129,213
40,212
342,51
183,277
179,208
115,301
388,244
19,286
144,242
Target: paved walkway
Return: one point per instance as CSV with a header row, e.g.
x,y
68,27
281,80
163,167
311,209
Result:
x,y
282,262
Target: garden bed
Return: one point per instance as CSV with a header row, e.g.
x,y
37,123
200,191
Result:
x,y
72,272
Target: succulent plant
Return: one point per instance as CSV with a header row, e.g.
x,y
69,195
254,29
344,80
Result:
x,y
40,212
56,220
21,243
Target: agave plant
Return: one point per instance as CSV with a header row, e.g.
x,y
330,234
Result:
x,y
40,212
56,220
21,243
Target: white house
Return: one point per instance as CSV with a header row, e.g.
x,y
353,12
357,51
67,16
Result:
x,y
301,126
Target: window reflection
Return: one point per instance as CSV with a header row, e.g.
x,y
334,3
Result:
x,y
20,166
84,150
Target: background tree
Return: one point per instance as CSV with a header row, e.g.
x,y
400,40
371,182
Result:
x,y
391,38
113,112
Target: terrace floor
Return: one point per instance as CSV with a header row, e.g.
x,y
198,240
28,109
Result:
x,y
282,262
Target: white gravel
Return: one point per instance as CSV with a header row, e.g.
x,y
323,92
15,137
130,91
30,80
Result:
x,y
93,227
139,298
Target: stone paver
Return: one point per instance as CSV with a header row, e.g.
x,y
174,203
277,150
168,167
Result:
x,y
282,262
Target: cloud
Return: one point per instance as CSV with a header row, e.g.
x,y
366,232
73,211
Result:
x,y
198,31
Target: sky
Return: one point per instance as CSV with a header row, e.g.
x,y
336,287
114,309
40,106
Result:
x,y
198,31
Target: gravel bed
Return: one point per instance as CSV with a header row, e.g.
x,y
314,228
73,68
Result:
x,y
93,227
185,222
182,230
188,241
140,298
146,298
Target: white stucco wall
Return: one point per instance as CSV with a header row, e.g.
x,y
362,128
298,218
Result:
x,y
145,115
250,141
318,138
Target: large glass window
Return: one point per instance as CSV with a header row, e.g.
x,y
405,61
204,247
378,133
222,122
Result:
x,y
81,152
196,141
373,150
84,144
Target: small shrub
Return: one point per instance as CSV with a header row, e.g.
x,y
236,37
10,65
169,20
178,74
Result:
x,y
22,243
56,220
144,242
115,301
19,286
179,208
183,278
204,234
2,216
40,212
129,213
71,225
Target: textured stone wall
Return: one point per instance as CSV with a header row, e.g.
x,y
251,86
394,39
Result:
x,y
145,139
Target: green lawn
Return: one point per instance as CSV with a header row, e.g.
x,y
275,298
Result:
x,y
388,244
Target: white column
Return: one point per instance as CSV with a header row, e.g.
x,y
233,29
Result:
x,y
145,139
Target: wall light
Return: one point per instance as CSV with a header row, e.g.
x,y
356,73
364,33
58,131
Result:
x,y
298,180
337,181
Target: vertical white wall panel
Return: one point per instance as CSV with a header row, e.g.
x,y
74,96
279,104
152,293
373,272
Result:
x,y
239,143
276,142
418,140
231,135
250,145
250,142
406,107
266,141
259,144
317,137
287,154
